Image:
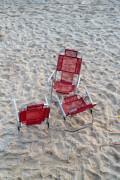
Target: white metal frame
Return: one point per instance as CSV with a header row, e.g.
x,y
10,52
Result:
x,y
47,105
88,94
61,108
78,82
17,117
53,79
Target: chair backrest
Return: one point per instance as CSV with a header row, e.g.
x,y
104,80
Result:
x,y
69,66
34,114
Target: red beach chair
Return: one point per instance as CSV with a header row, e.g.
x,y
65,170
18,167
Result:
x,y
74,104
32,114
68,68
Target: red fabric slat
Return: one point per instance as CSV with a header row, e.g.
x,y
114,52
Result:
x,y
35,106
73,105
70,99
63,87
72,53
65,76
78,66
69,64
59,64
34,116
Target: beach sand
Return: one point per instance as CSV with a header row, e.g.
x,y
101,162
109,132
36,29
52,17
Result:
x,y
32,33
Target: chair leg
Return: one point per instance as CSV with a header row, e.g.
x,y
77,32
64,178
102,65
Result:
x,y
17,117
18,128
91,112
60,105
51,93
48,125
64,118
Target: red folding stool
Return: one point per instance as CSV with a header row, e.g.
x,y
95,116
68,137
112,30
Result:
x,y
32,114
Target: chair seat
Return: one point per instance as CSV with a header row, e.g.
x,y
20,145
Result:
x,y
75,106
34,115
63,87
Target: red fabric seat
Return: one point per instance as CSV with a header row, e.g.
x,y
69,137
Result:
x,y
73,105
34,114
63,87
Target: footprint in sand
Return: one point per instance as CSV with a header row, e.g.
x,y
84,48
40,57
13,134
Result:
x,y
111,87
112,98
2,95
4,76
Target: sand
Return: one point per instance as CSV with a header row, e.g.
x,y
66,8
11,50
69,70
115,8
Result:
x,y
32,33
